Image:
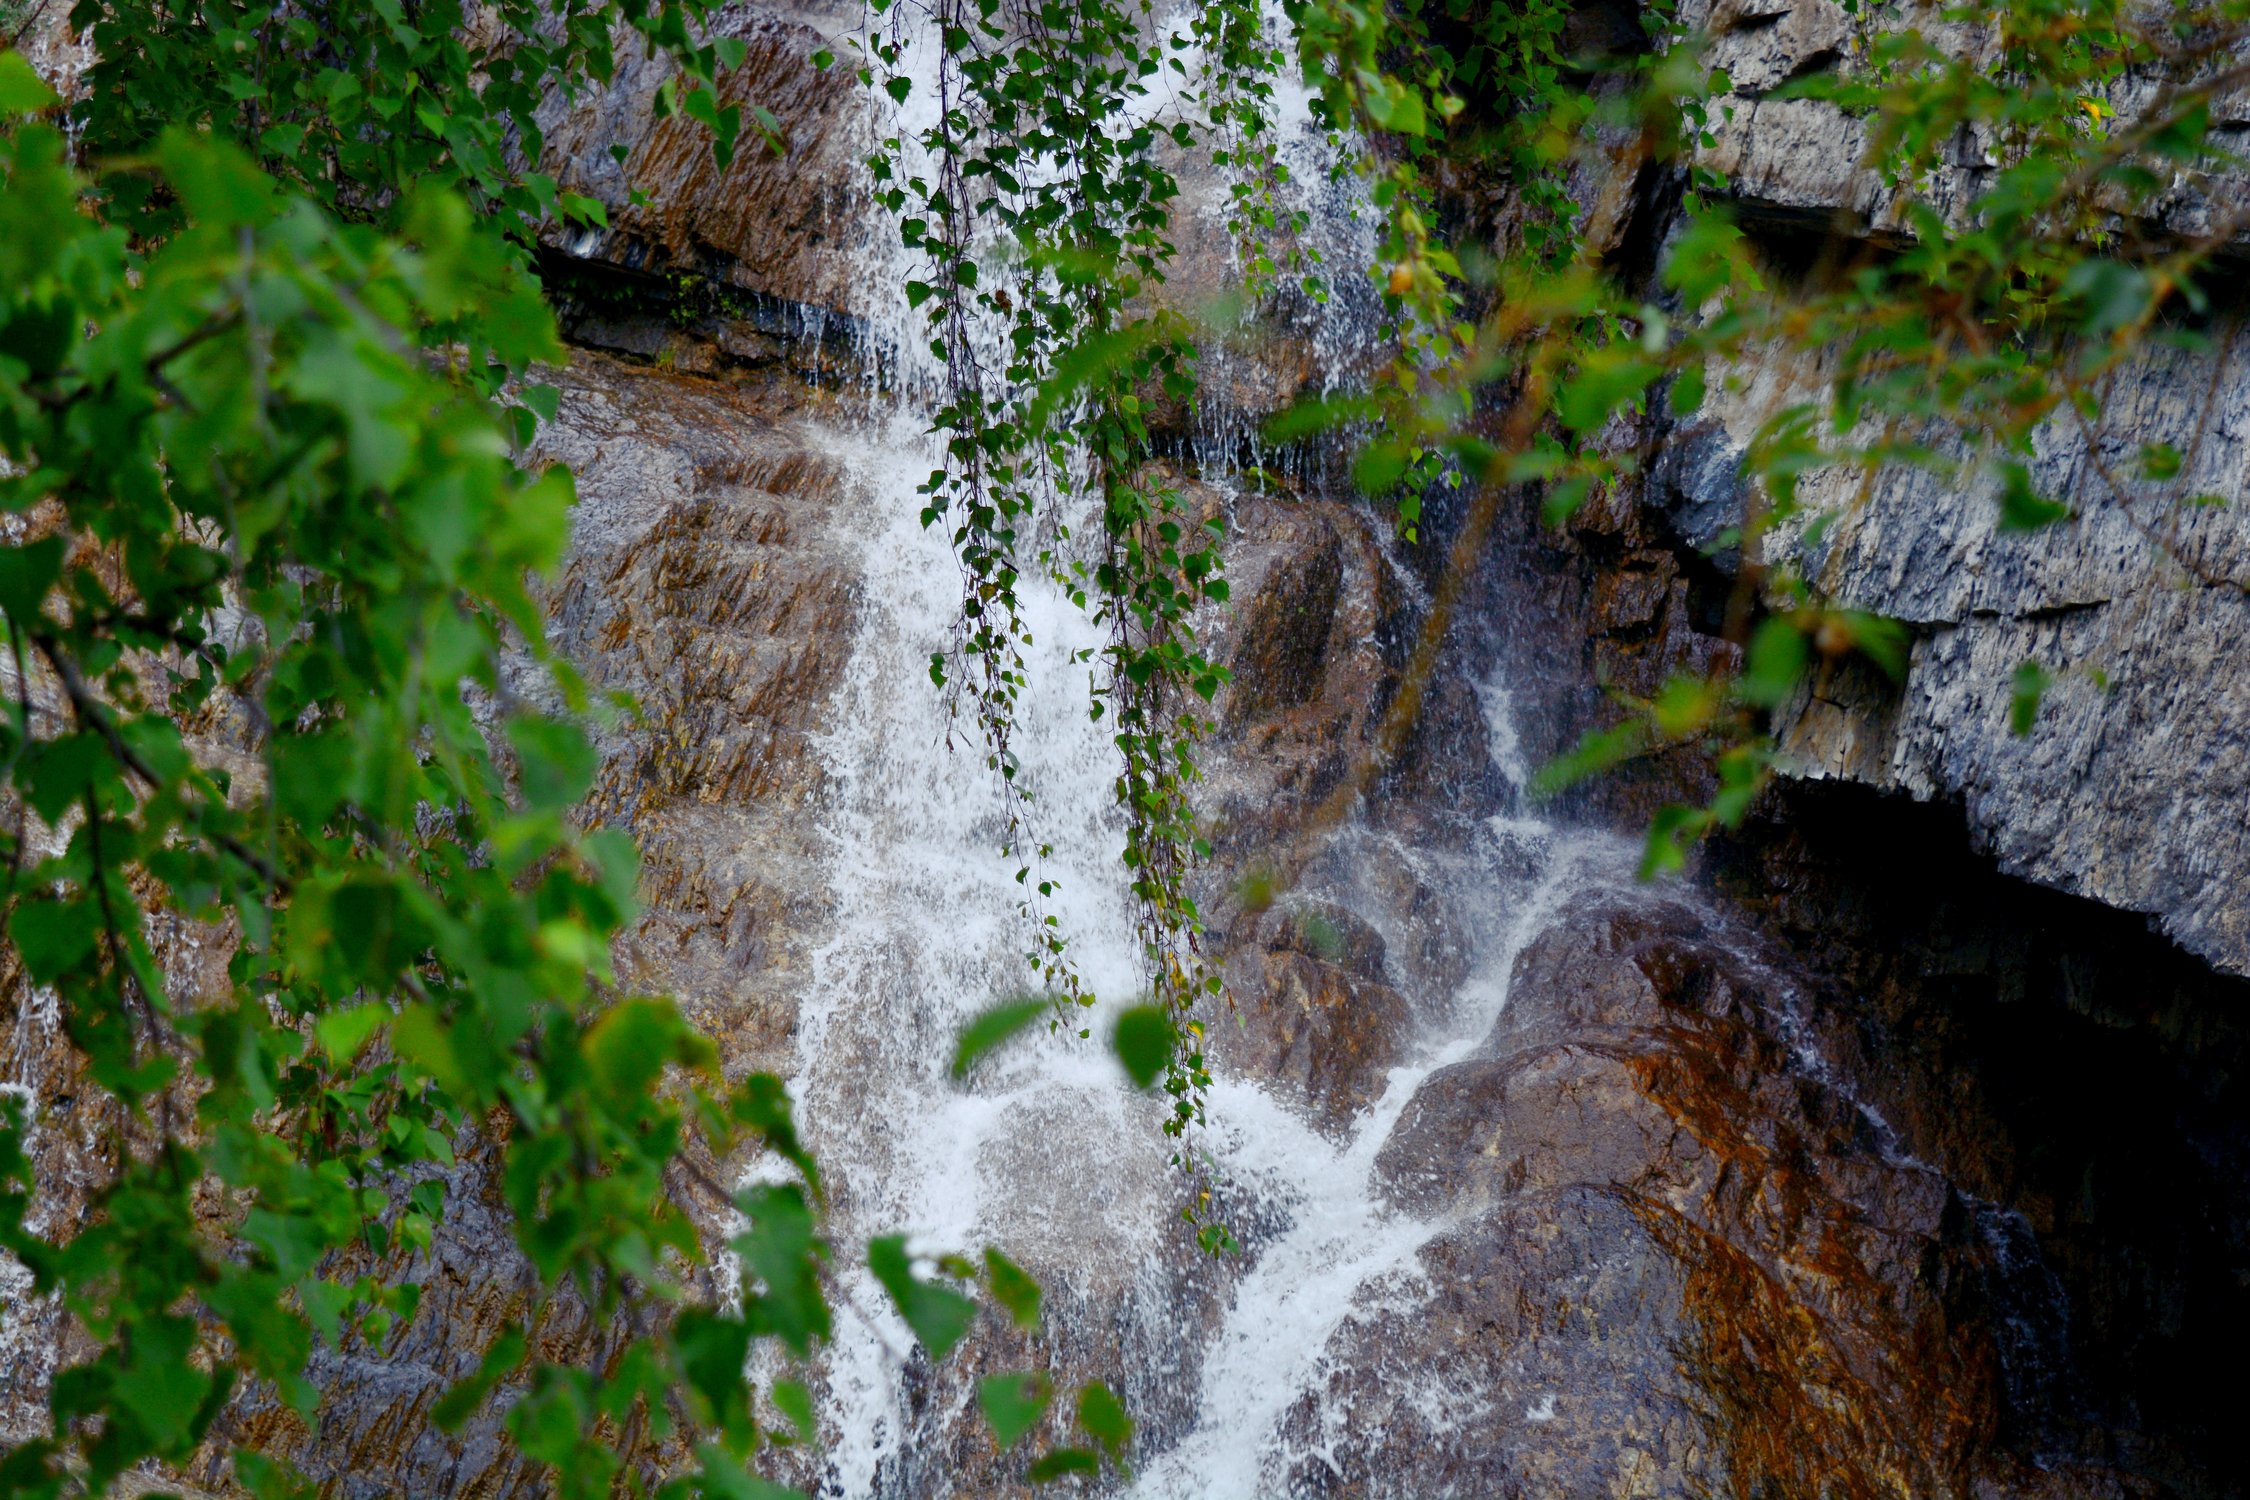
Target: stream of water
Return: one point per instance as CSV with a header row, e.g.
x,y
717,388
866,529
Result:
x,y
1048,1153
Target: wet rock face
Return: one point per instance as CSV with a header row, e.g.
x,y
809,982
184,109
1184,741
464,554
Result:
x,y
1312,1014
2065,1070
1290,626
2061,1063
711,578
1475,1393
792,227
1672,1261
1670,1251
1307,644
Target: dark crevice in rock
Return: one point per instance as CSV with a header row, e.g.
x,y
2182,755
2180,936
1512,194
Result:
x,y
698,323
2062,610
1823,60
1638,254
2083,1081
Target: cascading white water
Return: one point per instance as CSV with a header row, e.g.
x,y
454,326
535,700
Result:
x,y
1346,1249
928,933
1048,1154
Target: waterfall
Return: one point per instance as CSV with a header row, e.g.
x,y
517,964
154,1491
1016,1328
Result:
x,y
1241,1370
1345,1248
927,933
1046,1152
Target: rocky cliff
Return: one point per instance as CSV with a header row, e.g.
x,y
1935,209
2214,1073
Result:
x,y
1793,1185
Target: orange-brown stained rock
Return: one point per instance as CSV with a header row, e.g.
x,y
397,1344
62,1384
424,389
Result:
x,y
795,227
1671,1262
1326,1035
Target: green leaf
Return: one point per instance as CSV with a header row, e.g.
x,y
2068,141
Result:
x,y
725,1478
1596,751
782,1251
266,1478
1606,381
342,1033
1670,833
1778,654
714,1352
1144,1042
1104,1418
793,1400
937,1314
993,1027
421,1037
58,775
2026,690
293,1243
220,186
1013,1288
2183,137
1379,468
29,571
1394,106
1882,641
312,774
2111,295
1062,1463
1013,1404
2020,508
53,936
22,90
628,1049
556,762
1706,257
160,1386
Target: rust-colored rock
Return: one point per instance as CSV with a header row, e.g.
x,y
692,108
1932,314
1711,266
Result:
x,y
1671,1261
1323,1033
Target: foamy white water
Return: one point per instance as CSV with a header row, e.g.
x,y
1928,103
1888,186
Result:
x,y
1347,1251
1047,1153
927,933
